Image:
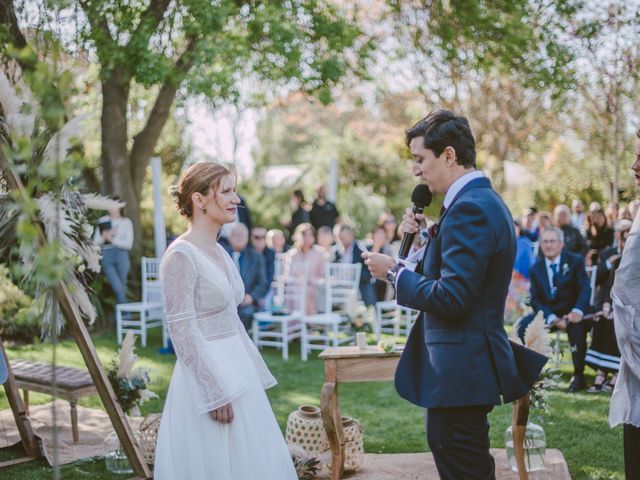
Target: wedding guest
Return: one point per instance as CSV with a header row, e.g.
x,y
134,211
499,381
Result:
x,y
323,212
574,242
603,355
544,220
530,227
612,214
387,221
599,233
307,261
348,250
380,244
300,211
524,251
252,270
276,240
560,289
578,217
324,239
259,244
115,236
216,414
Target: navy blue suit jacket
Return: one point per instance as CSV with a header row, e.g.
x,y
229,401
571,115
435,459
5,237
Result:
x,y
254,274
457,353
573,286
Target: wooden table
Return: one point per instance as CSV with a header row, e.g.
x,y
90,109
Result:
x,y
71,384
349,365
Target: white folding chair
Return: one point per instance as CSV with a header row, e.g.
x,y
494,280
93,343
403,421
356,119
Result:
x,y
273,329
332,327
393,318
149,311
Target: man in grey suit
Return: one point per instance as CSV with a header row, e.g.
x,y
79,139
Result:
x,y
625,296
252,269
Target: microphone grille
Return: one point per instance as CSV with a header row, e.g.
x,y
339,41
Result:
x,y
421,196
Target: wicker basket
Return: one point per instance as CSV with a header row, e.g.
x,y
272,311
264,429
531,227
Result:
x,y
148,436
304,428
353,444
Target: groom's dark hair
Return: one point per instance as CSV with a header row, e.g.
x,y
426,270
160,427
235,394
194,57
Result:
x,y
443,129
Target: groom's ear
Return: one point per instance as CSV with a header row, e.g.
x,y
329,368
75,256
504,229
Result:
x,y
450,157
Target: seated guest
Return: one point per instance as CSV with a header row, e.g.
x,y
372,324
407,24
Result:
x,y
578,217
259,244
607,256
276,240
574,242
524,252
603,355
307,262
560,289
544,220
530,228
324,239
380,245
251,266
599,234
348,250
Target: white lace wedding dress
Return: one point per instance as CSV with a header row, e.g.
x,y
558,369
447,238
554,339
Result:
x,y
217,364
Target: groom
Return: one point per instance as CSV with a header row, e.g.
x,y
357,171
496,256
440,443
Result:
x,y
458,362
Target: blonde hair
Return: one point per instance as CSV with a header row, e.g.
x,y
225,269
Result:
x,y
200,178
298,234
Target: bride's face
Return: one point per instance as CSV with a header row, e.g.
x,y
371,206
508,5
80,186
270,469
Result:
x,y
222,203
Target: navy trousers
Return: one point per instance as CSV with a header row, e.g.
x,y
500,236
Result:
x,y
459,441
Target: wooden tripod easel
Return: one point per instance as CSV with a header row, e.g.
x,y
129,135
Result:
x,y
29,442
79,333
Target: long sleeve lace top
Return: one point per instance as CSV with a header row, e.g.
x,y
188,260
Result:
x,y
201,296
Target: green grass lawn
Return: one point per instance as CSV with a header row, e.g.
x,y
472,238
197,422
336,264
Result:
x,y
577,423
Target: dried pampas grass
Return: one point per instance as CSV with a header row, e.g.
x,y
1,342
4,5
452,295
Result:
x,y
536,336
127,355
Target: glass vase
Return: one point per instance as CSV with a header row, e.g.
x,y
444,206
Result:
x,y
116,460
535,444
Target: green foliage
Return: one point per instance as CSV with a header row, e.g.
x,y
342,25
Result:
x,y
17,319
128,390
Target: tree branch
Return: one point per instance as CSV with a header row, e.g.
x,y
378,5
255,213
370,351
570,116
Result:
x,y
144,142
9,20
149,21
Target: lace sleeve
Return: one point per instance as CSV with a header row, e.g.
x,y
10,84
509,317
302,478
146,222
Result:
x,y
266,378
179,275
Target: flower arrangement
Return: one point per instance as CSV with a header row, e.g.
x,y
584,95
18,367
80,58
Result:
x,y
307,466
129,385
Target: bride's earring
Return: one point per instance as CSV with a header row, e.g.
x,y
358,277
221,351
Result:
x,y
204,210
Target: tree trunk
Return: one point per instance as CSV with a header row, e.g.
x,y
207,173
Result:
x,y
115,159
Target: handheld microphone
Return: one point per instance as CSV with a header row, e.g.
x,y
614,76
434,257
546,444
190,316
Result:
x,y
421,198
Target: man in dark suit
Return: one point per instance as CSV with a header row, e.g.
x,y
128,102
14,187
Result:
x,y
348,250
574,241
252,269
458,362
560,289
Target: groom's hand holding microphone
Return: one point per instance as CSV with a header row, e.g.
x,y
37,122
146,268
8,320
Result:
x,y
412,221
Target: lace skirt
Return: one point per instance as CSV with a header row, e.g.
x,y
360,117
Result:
x,y
192,446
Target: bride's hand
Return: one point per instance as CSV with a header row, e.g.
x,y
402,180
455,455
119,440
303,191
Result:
x,y
223,414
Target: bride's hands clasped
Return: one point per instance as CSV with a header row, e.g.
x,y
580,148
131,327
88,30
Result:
x,y
223,414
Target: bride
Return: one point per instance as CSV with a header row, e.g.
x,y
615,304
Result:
x,y
217,421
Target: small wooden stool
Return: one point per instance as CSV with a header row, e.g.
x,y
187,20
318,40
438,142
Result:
x,y
71,383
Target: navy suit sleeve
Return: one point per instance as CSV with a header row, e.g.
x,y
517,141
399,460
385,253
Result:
x,y
467,245
259,286
584,287
536,291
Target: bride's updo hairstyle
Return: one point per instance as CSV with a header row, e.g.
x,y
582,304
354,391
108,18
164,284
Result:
x,y
199,177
